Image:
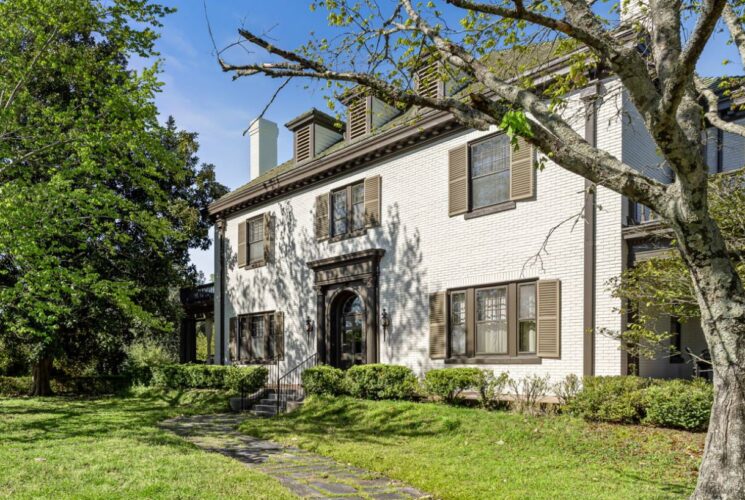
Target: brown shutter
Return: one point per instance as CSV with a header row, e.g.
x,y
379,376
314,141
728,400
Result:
x,y
242,248
322,217
268,236
458,180
358,123
233,339
437,325
549,318
372,201
522,171
279,335
244,339
303,144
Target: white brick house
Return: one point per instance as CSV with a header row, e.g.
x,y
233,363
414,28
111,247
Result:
x,y
414,242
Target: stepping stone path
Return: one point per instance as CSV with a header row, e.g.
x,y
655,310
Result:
x,y
306,474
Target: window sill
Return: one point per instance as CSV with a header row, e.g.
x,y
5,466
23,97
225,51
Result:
x,y
492,209
494,360
260,263
347,236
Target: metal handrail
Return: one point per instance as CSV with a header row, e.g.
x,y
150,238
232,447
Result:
x,y
249,400
292,379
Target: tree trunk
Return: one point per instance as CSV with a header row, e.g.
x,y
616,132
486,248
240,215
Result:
x,y
720,295
41,373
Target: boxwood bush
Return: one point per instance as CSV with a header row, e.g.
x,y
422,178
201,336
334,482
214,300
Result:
x,y
448,383
378,381
679,404
618,399
210,377
323,380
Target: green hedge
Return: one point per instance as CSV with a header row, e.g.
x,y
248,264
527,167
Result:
x,y
679,404
448,383
377,381
323,380
630,400
85,386
248,378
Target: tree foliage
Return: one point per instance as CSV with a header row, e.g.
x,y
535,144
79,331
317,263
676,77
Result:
x,y
99,203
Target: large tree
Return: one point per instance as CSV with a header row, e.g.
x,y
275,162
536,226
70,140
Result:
x,y
99,203
379,46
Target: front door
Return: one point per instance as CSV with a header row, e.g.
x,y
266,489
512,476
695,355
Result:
x,y
350,333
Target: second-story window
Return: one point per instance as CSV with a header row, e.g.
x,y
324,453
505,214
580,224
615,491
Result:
x,y
256,240
490,171
348,209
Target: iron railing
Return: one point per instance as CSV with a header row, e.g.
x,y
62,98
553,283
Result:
x,y
198,294
249,400
290,385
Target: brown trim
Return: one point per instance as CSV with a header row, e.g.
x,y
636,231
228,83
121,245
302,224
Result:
x,y
590,259
347,236
432,125
315,116
491,209
495,360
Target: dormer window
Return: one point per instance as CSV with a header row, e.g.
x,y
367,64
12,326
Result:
x,y
314,132
365,113
428,81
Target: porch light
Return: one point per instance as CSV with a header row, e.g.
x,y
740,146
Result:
x,y
385,322
308,326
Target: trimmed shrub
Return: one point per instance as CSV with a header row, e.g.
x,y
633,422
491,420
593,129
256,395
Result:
x,y
15,386
323,380
490,387
567,389
145,356
379,381
247,379
448,383
679,404
618,399
208,376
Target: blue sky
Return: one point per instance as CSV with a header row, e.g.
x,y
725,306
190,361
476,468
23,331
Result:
x,y
204,99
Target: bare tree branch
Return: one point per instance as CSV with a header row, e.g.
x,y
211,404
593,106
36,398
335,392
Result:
x,y
736,30
712,111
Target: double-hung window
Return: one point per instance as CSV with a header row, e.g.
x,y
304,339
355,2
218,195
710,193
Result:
x,y
260,337
490,171
526,330
256,240
491,321
348,210
458,323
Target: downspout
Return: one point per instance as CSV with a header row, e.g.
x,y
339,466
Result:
x,y
219,291
590,97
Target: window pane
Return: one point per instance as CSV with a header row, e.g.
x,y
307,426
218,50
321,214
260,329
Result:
x,y
458,324
526,337
255,252
257,337
340,212
492,155
527,302
491,321
255,230
272,347
490,171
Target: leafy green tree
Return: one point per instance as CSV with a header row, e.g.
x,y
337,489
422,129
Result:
x,y
490,45
99,203
661,285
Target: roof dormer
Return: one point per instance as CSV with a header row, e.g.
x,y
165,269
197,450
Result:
x,y
365,113
314,132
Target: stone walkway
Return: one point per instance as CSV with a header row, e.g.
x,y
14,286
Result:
x,y
306,474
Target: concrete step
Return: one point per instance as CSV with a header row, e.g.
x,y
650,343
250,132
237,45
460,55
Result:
x,y
265,414
273,402
267,407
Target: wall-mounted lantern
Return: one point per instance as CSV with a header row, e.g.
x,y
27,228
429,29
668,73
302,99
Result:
x,y
308,326
385,322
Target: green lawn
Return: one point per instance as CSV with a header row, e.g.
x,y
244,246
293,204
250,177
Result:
x,y
469,453
112,448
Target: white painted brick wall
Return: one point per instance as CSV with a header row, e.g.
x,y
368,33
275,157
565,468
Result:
x,y
428,251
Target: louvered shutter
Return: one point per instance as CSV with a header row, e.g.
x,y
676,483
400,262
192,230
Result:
x,y
372,201
279,335
458,180
244,339
522,171
359,118
549,318
303,144
233,339
322,217
242,249
268,236
428,82
437,325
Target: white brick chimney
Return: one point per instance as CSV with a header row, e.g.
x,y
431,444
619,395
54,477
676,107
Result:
x,y
262,135
634,11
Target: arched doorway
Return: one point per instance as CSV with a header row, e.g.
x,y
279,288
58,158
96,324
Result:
x,y
349,341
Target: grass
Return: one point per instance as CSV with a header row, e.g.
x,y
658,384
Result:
x,y
112,448
457,452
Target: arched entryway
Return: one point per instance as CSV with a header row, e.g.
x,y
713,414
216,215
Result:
x,y
348,340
